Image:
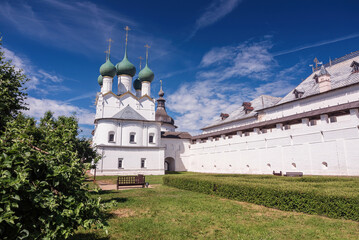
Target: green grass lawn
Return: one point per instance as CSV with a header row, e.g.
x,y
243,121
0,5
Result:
x,y
169,213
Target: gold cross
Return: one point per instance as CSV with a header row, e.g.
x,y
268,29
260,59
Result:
x,y
147,47
127,29
161,84
141,58
109,46
106,54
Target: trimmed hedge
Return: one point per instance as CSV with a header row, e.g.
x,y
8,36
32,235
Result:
x,y
294,194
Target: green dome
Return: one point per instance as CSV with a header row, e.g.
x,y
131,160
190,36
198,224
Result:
x,y
125,67
108,69
100,80
146,74
137,84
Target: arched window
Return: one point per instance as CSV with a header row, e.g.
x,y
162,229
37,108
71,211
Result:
x,y
294,165
111,137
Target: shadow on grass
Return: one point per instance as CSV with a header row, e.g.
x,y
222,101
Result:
x,y
87,236
116,199
102,192
172,172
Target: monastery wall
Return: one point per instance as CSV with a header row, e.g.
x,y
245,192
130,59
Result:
x,y
174,150
323,149
328,99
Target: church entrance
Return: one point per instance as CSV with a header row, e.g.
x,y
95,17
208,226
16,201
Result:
x,y
169,164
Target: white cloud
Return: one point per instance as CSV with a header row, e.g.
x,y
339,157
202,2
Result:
x,y
213,13
250,58
229,76
40,80
37,108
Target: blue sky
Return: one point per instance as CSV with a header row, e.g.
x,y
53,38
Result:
x,y
211,55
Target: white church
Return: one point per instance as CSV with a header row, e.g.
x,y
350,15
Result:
x,y
314,129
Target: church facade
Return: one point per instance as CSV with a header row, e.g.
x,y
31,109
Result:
x,y
314,129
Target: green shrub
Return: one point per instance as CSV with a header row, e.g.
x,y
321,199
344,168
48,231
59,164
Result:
x,y
314,195
42,172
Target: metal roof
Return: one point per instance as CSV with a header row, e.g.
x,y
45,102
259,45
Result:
x,y
128,113
341,75
258,103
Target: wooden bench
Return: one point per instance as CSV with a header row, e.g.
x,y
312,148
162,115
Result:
x,y
277,174
131,181
293,174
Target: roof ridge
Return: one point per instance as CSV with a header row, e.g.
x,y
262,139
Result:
x,y
339,60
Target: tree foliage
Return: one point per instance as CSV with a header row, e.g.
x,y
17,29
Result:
x,y
42,169
12,95
42,180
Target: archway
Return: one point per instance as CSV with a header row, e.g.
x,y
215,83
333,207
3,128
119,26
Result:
x,y
169,164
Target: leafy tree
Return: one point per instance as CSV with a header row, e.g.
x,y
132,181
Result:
x,y
12,95
42,180
42,169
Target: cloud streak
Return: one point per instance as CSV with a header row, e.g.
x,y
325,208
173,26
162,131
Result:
x,y
213,13
79,26
318,44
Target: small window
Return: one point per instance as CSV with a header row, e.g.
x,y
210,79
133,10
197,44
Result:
x,y
150,138
324,165
264,131
269,165
333,119
120,161
294,165
355,67
230,136
132,137
111,137
246,134
143,162
286,127
312,122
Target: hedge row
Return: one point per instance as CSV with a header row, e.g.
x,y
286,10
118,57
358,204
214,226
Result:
x,y
271,195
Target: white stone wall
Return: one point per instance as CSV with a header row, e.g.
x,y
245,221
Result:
x,y
122,130
110,104
323,149
175,148
167,127
131,161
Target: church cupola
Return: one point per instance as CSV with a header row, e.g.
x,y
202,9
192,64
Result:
x,y
323,80
161,113
146,76
100,80
107,71
125,71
